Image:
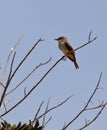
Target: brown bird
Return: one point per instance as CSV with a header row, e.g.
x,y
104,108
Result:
x,y
67,49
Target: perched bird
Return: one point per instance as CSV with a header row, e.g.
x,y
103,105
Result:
x,y
67,49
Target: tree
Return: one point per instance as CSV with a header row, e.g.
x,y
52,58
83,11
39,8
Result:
x,y
34,123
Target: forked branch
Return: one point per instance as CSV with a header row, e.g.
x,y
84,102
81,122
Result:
x,y
86,107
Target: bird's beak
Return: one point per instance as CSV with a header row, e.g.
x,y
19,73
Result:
x,y
56,39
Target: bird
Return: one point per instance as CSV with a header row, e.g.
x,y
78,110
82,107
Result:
x,y
67,49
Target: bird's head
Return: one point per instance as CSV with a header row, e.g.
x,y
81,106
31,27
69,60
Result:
x,y
61,39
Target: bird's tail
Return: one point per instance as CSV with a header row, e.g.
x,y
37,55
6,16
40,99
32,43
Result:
x,y
76,65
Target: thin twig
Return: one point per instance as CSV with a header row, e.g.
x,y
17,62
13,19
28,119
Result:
x,y
98,114
8,58
1,84
89,37
7,102
28,75
52,108
29,52
38,111
84,108
25,91
89,41
4,106
43,77
96,107
45,112
47,121
8,81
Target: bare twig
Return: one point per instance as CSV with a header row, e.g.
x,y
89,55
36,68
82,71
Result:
x,y
89,37
47,121
52,108
25,91
84,108
43,77
1,84
8,58
22,61
33,87
97,86
45,112
8,81
6,102
38,111
96,107
89,41
28,75
4,106
17,43
98,114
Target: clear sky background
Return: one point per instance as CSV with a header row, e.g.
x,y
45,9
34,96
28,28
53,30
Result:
x,y
48,20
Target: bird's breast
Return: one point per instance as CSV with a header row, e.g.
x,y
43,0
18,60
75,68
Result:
x,y
63,48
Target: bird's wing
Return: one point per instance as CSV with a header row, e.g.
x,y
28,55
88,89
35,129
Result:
x,y
69,47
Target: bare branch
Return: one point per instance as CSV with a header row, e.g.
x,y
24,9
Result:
x,y
4,106
98,114
43,77
97,86
89,37
8,81
89,41
22,61
25,91
1,84
17,43
96,107
7,102
28,75
38,111
45,112
47,121
70,122
8,58
54,107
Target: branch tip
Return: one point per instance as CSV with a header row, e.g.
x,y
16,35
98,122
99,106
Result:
x,y
40,39
89,37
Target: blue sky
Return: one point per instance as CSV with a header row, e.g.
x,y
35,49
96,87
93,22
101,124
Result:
x,y
49,20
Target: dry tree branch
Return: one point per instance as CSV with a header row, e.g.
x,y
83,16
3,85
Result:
x,y
11,75
25,91
89,41
97,86
8,81
8,58
85,107
1,84
47,122
4,106
26,56
96,107
38,111
52,108
98,114
30,91
45,112
28,75
7,102
43,77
